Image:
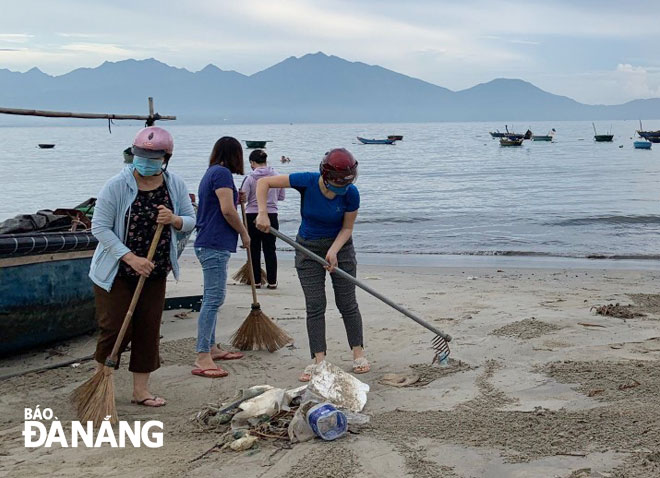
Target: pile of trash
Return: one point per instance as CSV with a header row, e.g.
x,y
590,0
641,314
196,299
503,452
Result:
x,y
324,408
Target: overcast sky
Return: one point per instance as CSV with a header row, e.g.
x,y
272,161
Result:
x,y
595,51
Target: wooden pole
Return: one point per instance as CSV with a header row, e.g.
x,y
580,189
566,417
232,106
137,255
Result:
x,y
67,114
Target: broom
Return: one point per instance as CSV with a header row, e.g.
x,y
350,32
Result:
x,y
94,400
258,331
242,276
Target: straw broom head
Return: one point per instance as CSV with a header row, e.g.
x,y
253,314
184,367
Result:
x,y
259,332
94,400
242,275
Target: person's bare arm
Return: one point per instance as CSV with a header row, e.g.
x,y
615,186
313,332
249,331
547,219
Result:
x,y
263,185
344,235
226,198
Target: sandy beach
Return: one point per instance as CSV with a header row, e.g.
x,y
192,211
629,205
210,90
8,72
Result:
x,y
538,385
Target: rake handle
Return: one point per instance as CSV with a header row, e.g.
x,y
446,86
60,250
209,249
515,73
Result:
x,y
255,302
111,361
359,283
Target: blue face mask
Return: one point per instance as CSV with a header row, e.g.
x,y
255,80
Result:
x,y
148,167
338,190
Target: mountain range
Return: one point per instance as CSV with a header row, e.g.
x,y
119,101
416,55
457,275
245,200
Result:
x,y
313,88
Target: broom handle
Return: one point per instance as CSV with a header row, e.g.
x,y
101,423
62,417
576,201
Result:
x,y
255,302
112,359
359,283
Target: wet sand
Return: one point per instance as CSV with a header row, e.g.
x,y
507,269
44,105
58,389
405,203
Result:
x,y
540,386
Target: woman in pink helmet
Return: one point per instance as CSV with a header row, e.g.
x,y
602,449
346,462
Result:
x,y
127,212
329,207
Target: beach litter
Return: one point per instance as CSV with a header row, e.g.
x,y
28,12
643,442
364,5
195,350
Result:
x,y
328,406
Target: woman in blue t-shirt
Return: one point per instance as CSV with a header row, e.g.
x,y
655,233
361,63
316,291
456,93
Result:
x,y
329,207
218,227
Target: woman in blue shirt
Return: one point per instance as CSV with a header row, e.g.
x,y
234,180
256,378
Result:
x,y
218,227
329,206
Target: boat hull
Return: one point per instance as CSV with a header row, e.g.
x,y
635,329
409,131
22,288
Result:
x,y
541,138
375,141
642,144
255,144
604,138
395,137
44,299
511,142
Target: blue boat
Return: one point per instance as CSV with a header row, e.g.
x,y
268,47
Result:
x,y
375,141
642,144
45,293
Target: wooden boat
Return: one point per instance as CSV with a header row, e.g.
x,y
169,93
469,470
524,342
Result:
x,y
506,141
547,137
46,145
496,134
602,138
395,137
375,141
256,144
642,144
45,292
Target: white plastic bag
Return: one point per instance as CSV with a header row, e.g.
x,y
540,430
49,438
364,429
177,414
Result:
x,y
337,387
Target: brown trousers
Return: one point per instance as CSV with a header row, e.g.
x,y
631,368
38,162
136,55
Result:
x,y
144,330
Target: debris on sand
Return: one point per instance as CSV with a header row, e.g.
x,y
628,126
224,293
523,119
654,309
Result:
x,y
617,310
526,329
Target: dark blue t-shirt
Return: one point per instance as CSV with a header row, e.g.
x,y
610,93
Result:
x,y
213,230
321,217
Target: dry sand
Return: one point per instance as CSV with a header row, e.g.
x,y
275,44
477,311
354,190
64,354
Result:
x,y
530,391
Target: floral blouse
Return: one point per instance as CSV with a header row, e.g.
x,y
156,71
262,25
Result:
x,y
141,220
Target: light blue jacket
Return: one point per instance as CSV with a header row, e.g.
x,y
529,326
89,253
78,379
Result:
x,y
109,223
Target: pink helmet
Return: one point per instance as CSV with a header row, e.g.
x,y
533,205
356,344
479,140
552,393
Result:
x,y
153,142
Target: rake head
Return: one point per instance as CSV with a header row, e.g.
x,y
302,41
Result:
x,y
441,347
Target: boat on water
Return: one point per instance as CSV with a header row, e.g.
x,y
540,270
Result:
x,y
395,137
642,144
46,145
602,138
652,136
375,141
546,137
506,141
256,144
496,134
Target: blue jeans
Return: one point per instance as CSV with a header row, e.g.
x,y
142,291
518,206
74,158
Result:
x,y
214,266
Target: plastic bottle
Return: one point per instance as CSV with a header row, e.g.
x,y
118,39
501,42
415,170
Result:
x,y
326,421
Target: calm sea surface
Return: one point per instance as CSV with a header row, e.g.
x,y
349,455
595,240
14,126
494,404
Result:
x,y
447,188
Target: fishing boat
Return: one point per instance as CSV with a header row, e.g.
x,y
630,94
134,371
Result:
x,y
395,137
652,136
642,144
496,134
547,137
375,141
46,145
256,144
602,138
506,141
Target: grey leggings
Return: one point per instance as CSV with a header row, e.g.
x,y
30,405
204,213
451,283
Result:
x,y
312,280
